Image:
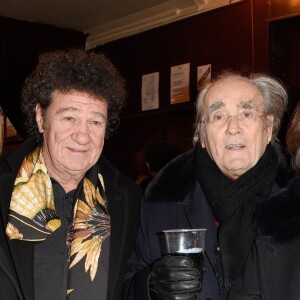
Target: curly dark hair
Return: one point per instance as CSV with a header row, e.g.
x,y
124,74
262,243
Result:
x,y
66,70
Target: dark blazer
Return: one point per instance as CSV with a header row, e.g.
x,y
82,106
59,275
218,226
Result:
x,y
173,199
123,204
273,269
9,287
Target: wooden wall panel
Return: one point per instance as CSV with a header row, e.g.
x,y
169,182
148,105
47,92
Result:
x,y
21,43
221,37
235,36
279,9
285,61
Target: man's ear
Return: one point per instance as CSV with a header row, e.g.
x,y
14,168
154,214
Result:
x,y
202,141
199,137
39,117
269,126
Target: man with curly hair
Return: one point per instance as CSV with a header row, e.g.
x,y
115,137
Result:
x,y
68,217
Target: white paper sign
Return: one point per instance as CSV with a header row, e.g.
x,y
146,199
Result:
x,y
150,92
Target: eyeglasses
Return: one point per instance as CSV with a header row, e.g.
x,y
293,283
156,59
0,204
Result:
x,y
219,119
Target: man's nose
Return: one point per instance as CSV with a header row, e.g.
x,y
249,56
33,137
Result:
x,y
233,125
81,133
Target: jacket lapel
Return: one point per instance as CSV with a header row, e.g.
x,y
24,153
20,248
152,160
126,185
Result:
x,y
6,264
117,208
200,215
10,168
6,191
118,214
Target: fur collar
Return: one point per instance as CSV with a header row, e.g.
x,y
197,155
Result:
x,y
274,219
178,178
278,219
174,181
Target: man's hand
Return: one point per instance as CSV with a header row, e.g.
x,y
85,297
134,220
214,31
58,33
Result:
x,y
175,278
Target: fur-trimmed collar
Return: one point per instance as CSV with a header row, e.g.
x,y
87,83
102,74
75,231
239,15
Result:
x,y
278,219
174,181
177,178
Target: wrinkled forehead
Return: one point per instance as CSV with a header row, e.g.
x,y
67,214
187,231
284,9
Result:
x,y
235,92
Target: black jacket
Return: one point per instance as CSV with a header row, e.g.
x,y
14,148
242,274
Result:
x,y
123,204
174,199
272,271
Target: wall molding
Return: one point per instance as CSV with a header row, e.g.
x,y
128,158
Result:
x,y
165,13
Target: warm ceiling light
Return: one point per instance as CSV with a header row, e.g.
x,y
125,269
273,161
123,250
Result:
x,y
294,2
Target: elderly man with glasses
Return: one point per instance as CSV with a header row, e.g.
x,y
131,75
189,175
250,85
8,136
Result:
x,y
233,168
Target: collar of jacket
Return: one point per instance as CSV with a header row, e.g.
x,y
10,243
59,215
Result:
x,y
174,181
278,219
122,208
177,178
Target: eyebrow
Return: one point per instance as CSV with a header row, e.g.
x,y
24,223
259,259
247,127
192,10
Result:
x,y
215,106
246,104
71,109
64,109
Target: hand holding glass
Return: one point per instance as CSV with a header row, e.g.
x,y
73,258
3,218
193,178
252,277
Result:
x,y
188,242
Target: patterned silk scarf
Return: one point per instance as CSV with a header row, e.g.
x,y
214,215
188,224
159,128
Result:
x,y
32,217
